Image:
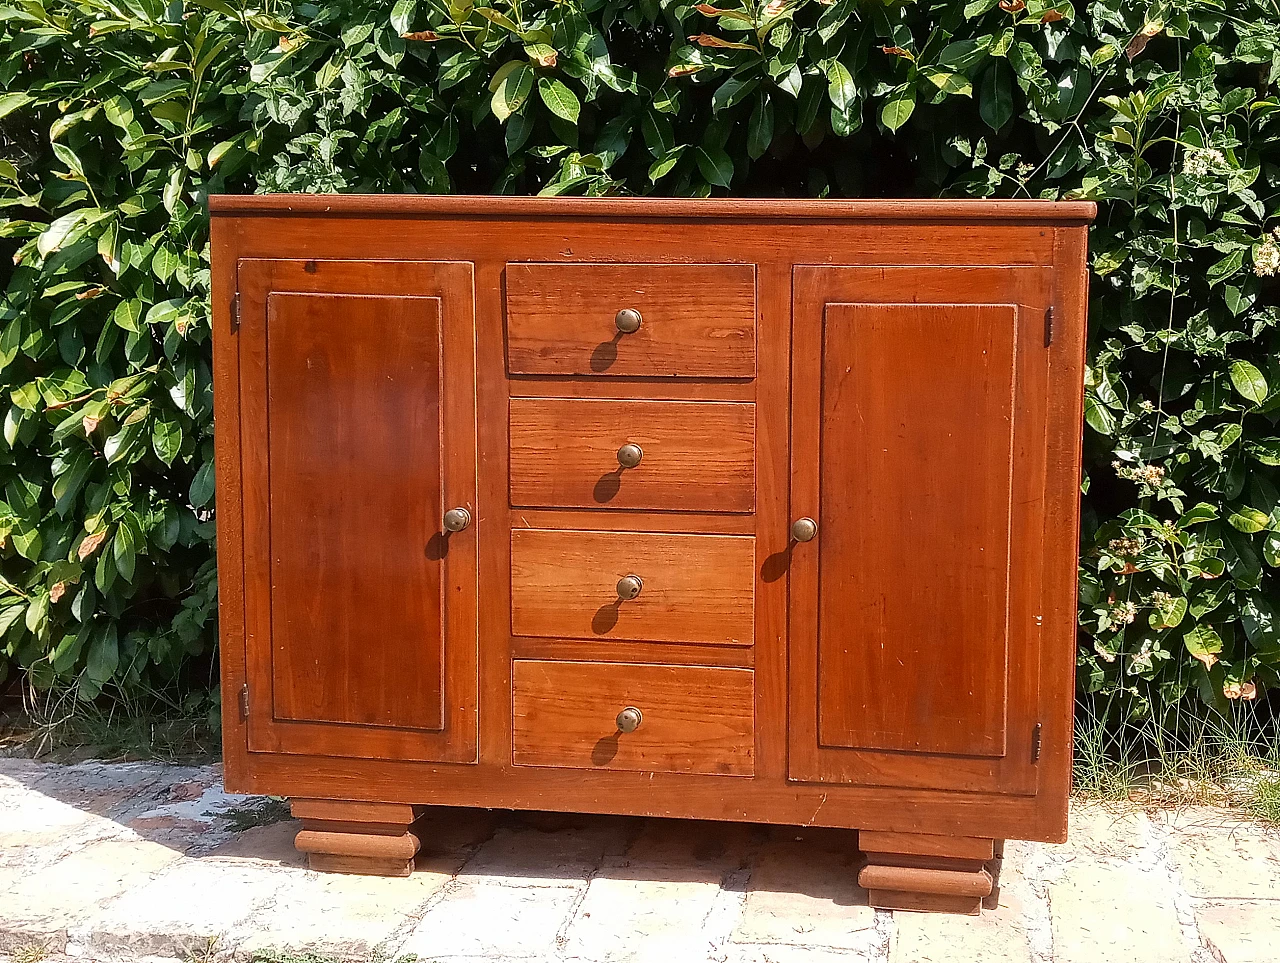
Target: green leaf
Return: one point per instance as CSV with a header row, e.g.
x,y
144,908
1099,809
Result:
x,y
840,86
1203,643
127,314
1248,520
512,90
995,101
1202,512
1248,380
1098,416
166,439
949,82
732,92
1225,268
202,485
898,108
11,102
560,100
124,550
402,13
715,165
1266,450
1168,613
760,127
104,656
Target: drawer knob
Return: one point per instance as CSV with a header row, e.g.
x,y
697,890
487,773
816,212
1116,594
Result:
x,y
456,519
629,719
804,529
629,455
628,320
629,587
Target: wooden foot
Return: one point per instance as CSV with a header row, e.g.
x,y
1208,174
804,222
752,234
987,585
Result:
x,y
913,871
372,839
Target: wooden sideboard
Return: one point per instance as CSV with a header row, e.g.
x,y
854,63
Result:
x,y
729,509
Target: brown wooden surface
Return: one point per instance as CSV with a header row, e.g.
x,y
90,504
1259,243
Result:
x,y
353,448
695,719
917,844
360,611
696,588
667,209
342,836
960,710
697,457
774,237
913,585
698,320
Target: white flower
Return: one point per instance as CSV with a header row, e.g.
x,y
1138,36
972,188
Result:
x,y
1199,161
1266,257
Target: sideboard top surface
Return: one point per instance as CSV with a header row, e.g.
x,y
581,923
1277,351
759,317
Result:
x,y
422,205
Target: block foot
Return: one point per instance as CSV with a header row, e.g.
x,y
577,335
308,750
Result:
x,y
371,839
914,871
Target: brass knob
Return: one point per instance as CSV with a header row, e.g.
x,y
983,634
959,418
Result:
x,y
629,587
629,719
456,519
804,529
628,320
629,455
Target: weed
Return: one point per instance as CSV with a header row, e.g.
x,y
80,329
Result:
x,y
259,812
1211,760
31,953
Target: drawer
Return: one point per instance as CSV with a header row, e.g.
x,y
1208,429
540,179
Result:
x,y
691,718
696,320
693,588
694,456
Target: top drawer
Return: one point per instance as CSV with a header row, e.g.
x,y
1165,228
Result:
x,y
696,320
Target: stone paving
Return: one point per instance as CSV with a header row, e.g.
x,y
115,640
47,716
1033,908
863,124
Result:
x,y
136,861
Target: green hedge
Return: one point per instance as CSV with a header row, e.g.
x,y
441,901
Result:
x,y
119,116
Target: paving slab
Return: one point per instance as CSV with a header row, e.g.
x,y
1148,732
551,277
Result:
x,y
1241,931
194,902
1221,857
641,912
1125,913
803,892
493,919
350,917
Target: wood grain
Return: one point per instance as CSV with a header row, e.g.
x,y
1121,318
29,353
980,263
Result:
x,y
913,592
354,453
699,320
695,719
697,457
696,588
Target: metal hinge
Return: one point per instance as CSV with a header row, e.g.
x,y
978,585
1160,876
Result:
x,y
235,312
1048,326
1035,742
244,703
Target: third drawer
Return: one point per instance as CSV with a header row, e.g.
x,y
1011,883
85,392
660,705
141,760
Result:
x,y
691,588
690,456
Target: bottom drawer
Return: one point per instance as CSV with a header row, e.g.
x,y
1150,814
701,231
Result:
x,y
691,718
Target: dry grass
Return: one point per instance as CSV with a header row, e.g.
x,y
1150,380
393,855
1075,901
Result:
x,y
1207,761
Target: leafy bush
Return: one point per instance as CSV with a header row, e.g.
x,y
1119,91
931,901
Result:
x,y
119,117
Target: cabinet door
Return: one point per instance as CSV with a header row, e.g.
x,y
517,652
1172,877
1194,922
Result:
x,y
918,433
357,406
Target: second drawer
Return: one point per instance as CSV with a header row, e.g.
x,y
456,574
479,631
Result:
x,y
691,456
690,588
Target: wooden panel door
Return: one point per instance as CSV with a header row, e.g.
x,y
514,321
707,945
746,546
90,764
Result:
x,y
358,433
918,434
